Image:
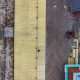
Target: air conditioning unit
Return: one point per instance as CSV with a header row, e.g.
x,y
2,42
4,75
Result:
x,y
8,32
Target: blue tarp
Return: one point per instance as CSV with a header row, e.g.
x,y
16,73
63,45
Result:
x,y
67,67
74,5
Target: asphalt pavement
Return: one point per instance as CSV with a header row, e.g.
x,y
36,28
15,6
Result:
x,y
59,20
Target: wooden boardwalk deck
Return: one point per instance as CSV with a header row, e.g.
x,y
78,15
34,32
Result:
x,y
29,62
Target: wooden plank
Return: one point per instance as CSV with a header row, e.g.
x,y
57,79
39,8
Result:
x,y
25,40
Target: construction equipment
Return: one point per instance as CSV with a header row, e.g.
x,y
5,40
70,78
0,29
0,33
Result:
x,y
74,58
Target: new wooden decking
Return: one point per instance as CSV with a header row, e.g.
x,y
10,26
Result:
x,y
27,28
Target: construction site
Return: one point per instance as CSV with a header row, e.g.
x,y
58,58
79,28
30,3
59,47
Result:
x,y
39,39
